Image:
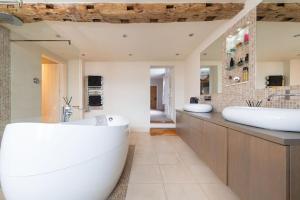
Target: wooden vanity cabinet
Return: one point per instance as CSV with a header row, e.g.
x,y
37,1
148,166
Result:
x,y
208,140
214,149
257,169
254,168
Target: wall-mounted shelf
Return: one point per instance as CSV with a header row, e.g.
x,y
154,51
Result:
x,y
237,56
239,83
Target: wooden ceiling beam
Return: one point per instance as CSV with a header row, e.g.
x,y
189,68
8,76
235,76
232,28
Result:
x,y
124,13
278,12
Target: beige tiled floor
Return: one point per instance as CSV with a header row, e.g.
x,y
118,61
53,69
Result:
x,y
165,168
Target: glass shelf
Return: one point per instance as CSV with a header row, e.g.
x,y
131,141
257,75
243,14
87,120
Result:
x,y
239,83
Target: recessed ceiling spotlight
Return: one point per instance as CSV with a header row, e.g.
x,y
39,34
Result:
x,y
177,54
248,22
239,29
124,36
58,36
230,36
296,35
130,54
83,54
191,34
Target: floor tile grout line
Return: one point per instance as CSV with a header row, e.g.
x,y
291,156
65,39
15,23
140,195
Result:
x,y
164,189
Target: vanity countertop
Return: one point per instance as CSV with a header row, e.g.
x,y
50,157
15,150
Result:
x,y
280,137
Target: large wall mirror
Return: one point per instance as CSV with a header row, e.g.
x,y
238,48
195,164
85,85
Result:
x,y
278,45
211,68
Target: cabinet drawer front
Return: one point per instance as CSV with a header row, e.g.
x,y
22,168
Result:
x,y
195,123
257,169
268,170
238,163
215,148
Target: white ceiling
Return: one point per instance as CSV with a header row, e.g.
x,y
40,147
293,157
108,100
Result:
x,y
275,41
214,51
155,41
43,31
104,41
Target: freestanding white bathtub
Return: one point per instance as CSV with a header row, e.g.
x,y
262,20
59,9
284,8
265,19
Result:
x,y
80,160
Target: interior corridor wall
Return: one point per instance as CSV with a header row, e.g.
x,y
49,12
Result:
x,y
26,95
127,89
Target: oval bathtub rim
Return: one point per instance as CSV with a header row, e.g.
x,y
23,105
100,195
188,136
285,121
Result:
x,y
66,167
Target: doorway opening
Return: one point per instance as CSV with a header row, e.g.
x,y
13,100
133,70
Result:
x,y
54,87
162,111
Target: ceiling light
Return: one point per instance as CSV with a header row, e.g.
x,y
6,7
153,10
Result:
x,y
191,34
58,36
177,54
248,22
130,54
239,29
83,54
124,36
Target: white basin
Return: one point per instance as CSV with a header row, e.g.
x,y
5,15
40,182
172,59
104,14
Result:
x,y
198,108
268,118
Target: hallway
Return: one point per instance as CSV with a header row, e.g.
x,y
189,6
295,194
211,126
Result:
x,y
157,116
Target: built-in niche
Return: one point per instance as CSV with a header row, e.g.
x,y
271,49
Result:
x,y
237,57
260,45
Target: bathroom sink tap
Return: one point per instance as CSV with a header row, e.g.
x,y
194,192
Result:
x,y
287,95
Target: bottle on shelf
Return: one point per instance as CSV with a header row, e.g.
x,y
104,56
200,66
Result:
x,y
246,38
232,63
245,74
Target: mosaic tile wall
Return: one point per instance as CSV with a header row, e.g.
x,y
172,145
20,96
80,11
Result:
x,y
236,95
4,79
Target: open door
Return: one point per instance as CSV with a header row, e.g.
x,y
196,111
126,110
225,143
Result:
x,y
53,89
153,97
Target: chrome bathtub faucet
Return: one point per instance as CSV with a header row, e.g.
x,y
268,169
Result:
x,y
287,95
67,113
67,109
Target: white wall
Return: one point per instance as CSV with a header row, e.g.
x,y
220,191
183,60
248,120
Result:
x,y
25,95
191,76
127,89
75,87
159,83
268,68
294,72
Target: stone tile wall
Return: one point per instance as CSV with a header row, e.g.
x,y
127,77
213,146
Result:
x,y
4,79
236,95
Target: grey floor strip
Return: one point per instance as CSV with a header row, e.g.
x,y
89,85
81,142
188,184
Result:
x,y
119,193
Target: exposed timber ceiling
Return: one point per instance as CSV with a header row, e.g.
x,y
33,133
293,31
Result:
x,y
124,13
278,12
